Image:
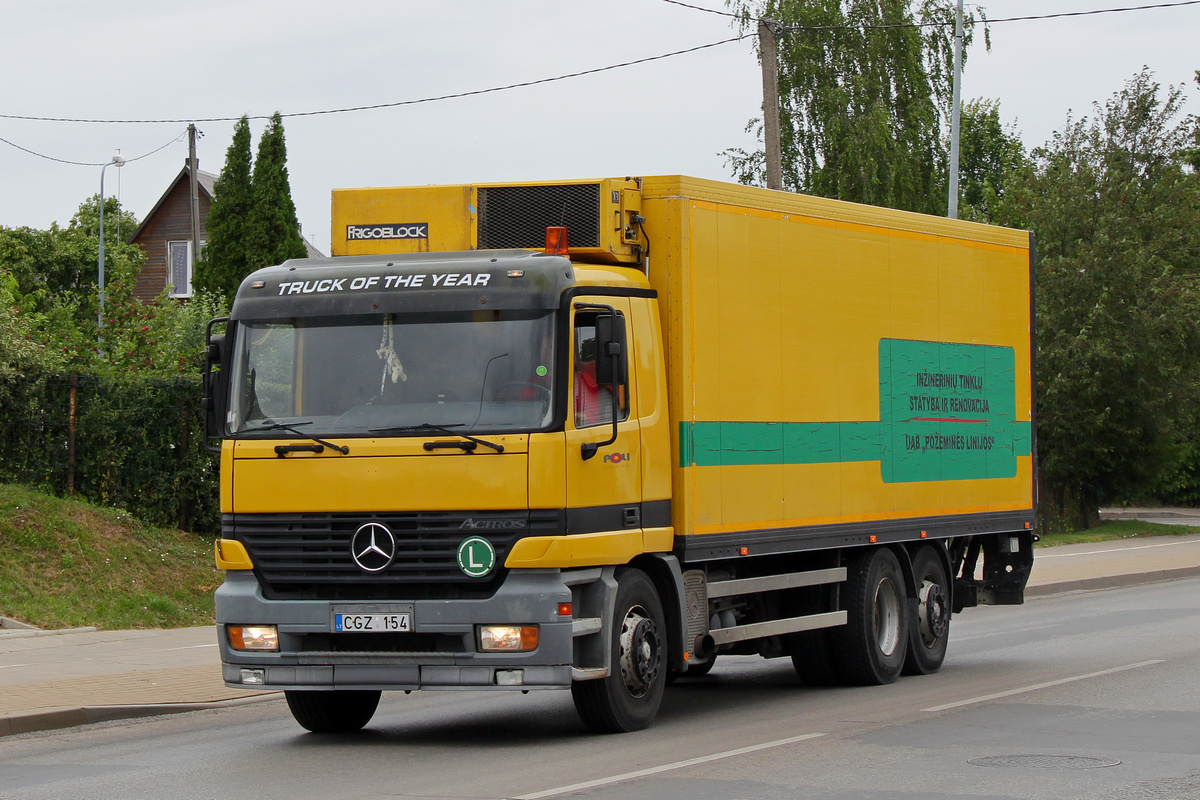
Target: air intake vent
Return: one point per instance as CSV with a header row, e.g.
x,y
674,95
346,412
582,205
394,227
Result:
x,y
517,216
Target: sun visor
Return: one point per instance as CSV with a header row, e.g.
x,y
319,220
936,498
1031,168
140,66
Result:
x,y
501,280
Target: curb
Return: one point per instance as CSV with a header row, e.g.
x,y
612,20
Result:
x,y
1111,581
57,718
25,633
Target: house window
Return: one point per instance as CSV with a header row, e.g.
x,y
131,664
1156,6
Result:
x,y
179,268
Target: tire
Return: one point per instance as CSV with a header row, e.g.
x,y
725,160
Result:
x,y
812,658
629,698
332,712
929,627
870,648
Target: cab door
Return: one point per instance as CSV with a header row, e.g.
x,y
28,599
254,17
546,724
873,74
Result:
x,y
603,461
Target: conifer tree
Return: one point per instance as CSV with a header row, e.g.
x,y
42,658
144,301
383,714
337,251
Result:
x,y
223,262
273,233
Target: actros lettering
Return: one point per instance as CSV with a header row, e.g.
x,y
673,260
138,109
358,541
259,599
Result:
x,y
492,524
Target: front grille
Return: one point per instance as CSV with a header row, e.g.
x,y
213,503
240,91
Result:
x,y
517,216
307,556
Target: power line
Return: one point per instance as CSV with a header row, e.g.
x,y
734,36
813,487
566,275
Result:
x,y
89,163
398,103
708,10
944,24
567,76
993,21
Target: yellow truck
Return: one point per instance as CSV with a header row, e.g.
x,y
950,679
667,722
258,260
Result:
x,y
594,434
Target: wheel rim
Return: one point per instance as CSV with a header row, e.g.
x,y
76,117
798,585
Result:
x,y
931,611
639,652
887,617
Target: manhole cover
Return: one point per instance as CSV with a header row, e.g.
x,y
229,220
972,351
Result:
x,y
1044,762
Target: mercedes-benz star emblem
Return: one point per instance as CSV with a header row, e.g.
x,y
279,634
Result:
x,y
373,547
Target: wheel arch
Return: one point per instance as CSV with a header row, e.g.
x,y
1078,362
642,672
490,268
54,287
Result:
x,y
664,571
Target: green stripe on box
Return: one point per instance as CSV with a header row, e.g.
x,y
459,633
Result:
x,y
714,444
708,444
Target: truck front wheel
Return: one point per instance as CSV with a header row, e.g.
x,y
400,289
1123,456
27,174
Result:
x,y
629,697
929,630
332,712
870,648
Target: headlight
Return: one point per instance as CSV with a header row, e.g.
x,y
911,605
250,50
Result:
x,y
508,638
264,638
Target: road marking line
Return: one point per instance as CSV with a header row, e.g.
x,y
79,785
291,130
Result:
x,y
1113,550
1035,687
191,647
641,773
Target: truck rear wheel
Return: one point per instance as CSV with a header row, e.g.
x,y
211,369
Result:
x,y
929,629
628,699
332,712
870,648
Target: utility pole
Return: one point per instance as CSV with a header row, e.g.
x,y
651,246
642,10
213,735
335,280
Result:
x,y
119,162
769,32
955,112
193,168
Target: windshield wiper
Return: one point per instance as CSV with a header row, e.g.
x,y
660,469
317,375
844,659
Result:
x,y
291,428
429,427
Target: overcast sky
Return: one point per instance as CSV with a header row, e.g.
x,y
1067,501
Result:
x,y
173,60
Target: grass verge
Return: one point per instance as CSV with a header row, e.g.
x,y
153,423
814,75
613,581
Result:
x,y
1112,530
66,563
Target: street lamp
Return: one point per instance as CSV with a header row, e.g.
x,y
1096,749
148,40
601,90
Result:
x,y
120,162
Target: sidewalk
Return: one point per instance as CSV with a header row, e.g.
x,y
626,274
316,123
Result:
x,y
58,679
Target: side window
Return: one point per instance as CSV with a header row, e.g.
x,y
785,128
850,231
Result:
x,y
593,399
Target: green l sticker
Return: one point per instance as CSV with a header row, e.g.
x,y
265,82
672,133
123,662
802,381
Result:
x,y
476,557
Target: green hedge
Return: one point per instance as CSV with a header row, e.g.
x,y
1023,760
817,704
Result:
x,y
138,445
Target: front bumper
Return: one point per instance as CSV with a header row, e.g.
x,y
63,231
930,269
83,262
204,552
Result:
x,y
440,652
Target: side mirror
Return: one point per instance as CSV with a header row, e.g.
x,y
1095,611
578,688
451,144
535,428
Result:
x,y
612,365
213,382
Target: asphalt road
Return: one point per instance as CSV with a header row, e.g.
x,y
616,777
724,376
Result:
x,y
1086,695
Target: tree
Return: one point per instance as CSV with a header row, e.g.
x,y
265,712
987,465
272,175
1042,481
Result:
x,y
1116,210
64,260
863,92
989,155
59,265
20,351
273,233
223,263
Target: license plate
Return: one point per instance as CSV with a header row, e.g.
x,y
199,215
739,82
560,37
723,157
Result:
x,y
372,623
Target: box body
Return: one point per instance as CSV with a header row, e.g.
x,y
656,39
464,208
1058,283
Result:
x,y
834,367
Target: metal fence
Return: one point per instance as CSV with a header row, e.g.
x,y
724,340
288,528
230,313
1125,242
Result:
x,y
133,443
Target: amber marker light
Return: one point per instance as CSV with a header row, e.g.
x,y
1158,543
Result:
x,y
745,551
556,241
508,638
260,638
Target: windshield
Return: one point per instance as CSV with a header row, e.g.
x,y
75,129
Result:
x,y
473,372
